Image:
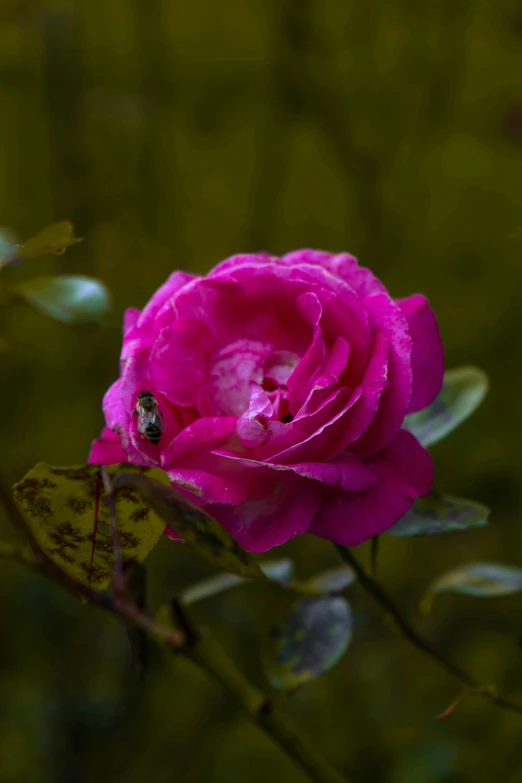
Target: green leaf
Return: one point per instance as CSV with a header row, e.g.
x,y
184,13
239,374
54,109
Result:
x,y
440,514
279,571
484,580
308,640
67,512
462,392
195,526
8,247
52,240
73,299
334,580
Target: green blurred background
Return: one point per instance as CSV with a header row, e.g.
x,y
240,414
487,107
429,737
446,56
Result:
x,y
173,134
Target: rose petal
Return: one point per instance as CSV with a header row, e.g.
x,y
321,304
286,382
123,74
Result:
x,y
208,433
427,355
387,317
107,449
252,428
403,470
259,525
170,287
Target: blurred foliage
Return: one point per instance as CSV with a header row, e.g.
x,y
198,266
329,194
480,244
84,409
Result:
x,y
174,134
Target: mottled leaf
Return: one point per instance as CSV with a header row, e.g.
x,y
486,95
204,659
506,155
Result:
x,y
67,511
307,641
55,240
73,299
484,580
279,571
334,580
462,392
194,525
440,514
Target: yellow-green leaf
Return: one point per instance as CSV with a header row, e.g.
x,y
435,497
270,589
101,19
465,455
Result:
x,y
67,512
194,525
483,580
55,240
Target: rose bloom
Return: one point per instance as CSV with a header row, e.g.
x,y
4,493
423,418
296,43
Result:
x,y
283,384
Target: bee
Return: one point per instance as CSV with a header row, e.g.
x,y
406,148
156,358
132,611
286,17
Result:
x,y
150,419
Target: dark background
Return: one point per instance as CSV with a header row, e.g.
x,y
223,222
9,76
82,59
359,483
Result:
x,y
173,134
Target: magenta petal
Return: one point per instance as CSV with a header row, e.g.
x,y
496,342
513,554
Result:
x,y
259,525
130,319
107,450
387,317
232,370
208,433
171,286
345,472
252,428
427,356
117,415
404,471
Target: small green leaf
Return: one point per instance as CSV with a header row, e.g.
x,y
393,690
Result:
x,y
462,392
308,640
334,580
8,247
195,526
67,512
73,299
279,571
440,514
52,240
484,580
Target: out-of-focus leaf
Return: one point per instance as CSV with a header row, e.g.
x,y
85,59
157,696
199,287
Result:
x,y
73,299
334,580
462,392
55,239
279,571
8,246
308,640
194,525
67,511
484,580
440,514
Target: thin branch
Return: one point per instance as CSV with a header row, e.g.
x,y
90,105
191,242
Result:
x,y
202,650
470,692
374,553
374,588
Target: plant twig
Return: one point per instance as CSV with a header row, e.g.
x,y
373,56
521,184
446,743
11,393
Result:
x,y
211,657
202,650
374,588
470,692
374,553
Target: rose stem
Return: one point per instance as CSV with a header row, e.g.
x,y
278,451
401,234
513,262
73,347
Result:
x,y
374,588
205,652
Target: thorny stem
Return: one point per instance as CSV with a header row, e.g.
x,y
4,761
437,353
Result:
x,y
201,649
374,588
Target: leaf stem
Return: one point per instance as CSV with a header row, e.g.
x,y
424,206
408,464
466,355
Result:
x,y
374,588
201,649
213,659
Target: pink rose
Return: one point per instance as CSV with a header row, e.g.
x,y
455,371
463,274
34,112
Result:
x,y
283,384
